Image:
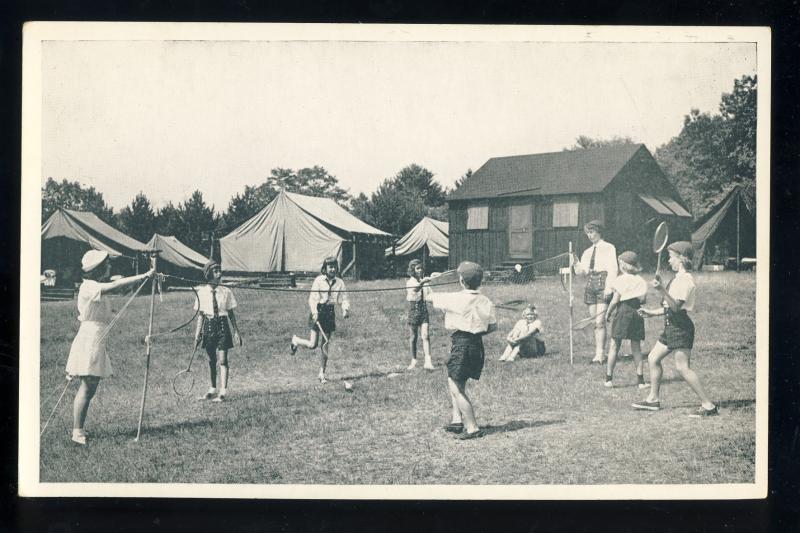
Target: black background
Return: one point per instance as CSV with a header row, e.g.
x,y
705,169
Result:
x,y
779,512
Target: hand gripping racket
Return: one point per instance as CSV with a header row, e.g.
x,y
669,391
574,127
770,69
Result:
x,y
183,382
659,242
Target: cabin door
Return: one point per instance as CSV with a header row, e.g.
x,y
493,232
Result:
x,y
520,232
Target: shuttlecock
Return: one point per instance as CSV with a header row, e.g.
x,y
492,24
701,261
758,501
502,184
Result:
x,y
348,386
518,267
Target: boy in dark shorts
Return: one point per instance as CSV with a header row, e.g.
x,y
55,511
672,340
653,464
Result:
x,y
678,336
470,315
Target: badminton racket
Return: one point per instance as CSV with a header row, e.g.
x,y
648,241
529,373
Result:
x,y
659,242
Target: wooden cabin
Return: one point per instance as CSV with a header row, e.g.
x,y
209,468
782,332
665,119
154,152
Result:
x,y
527,208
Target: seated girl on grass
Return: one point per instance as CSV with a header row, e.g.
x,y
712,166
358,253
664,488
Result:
x,y
525,339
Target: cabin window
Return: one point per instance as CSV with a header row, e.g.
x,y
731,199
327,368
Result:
x,y
478,217
565,214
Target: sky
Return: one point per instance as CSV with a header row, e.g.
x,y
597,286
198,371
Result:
x,y
168,117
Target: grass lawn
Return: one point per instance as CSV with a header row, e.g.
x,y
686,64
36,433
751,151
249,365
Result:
x,y
548,422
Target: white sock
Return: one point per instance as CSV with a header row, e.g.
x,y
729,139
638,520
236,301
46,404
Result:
x,y
223,392
212,390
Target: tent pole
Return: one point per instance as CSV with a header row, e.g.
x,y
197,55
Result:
x,y
154,258
738,258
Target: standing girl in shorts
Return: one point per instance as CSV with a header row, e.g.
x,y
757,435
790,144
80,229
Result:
x,y
88,359
327,290
678,336
630,291
418,321
215,304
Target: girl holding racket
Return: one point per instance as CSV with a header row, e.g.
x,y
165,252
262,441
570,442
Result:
x,y
327,290
418,319
88,359
678,336
629,293
599,264
215,304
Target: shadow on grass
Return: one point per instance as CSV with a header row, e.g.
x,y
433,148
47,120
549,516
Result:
x,y
516,425
735,404
155,431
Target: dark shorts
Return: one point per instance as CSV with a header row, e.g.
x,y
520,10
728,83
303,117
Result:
x,y
678,331
217,334
594,293
627,323
418,313
326,316
532,347
466,356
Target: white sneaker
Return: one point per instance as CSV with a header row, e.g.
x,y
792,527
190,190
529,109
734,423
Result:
x,y
79,437
428,365
608,384
412,365
644,385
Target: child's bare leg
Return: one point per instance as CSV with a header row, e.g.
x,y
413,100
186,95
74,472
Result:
x,y
599,330
83,398
682,358
455,417
426,346
309,343
514,352
657,354
412,342
223,370
212,366
636,350
506,352
613,351
323,356
458,390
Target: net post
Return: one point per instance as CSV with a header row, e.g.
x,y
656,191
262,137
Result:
x,y
153,262
569,286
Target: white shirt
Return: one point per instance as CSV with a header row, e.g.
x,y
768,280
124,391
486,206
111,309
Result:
x,y
605,260
468,310
226,301
630,286
323,292
523,327
414,295
683,288
91,306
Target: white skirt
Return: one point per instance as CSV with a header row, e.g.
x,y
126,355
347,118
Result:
x,y
87,356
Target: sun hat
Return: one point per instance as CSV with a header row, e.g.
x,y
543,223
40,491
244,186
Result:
x,y
630,258
471,273
92,259
683,248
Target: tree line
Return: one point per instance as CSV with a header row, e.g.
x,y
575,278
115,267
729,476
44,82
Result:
x,y
711,153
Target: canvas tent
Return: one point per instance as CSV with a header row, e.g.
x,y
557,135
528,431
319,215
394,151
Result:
x,y
176,258
68,234
295,233
727,230
429,233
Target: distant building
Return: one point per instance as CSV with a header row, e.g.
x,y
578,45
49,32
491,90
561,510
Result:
x,y
528,208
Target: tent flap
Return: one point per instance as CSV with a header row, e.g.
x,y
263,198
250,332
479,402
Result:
x,y
86,227
175,252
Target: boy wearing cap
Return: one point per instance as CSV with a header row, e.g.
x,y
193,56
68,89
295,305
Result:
x,y
88,359
215,304
599,263
327,290
678,336
629,293
470,315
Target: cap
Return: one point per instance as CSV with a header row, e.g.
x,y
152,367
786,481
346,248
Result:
x,y
471,273
92,260
683,248
631,258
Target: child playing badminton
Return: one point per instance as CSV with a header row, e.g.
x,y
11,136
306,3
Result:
x,y
418,321
327,290
215,304
525,339
630,291
470,315
678,336
88,359
599,263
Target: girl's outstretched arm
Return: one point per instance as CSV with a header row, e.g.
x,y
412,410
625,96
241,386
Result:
x,y
111,286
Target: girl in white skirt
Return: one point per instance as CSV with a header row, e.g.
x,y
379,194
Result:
x,y
88,359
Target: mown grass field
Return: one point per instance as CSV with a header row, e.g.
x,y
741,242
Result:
x,y
547,422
